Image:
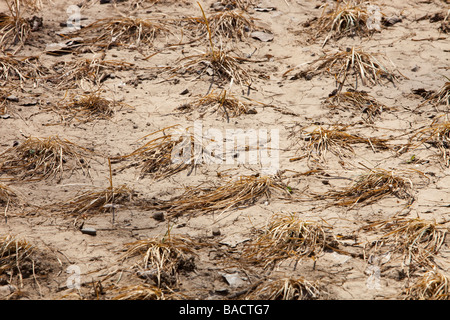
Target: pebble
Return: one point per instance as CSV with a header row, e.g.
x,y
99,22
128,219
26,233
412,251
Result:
x,y
158,216
216,231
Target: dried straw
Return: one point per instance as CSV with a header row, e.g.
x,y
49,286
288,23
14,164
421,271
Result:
x,y
373,186
42,158
286,236
234,193
285,289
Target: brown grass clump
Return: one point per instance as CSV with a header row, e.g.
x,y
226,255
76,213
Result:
x,y
442,96
171,150
42,158
218,63
215,62
433,285
347,18
162,258
241,192
372,186
352,62
21,68
285,289
13,252
232,24
123,31
438,135
360,101
85,71
287,237
227,105
336,140
139,292
417,239
87,107
98,201
13,28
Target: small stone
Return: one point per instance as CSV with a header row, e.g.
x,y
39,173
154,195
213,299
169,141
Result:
x,y
216,231
89,231
158,216
12,98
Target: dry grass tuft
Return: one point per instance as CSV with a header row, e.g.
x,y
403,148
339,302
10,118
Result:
x,y
287,237
13,252
85,71
231,24
285,289
98,201
417,239
218,63
347,18
139,292
162,258
87,107
234,193
122,31
350,62
433,285
41,158
13,28
438,135
360,101
215,61
374,185
336,140
227,105
21,68
442,96
170,152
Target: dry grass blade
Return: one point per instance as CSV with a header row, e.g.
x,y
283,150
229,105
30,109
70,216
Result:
x,y
162,258
170,150
227,105
417,239
87,107
285,289
13,252
287,237
336,140
139,292
90,71
122,31
350,62
433,285
42,158
21,68
98,201
437,135
365,104
244,191
347,18
372,186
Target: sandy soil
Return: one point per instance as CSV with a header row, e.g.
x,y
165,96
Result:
x,y
418,49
